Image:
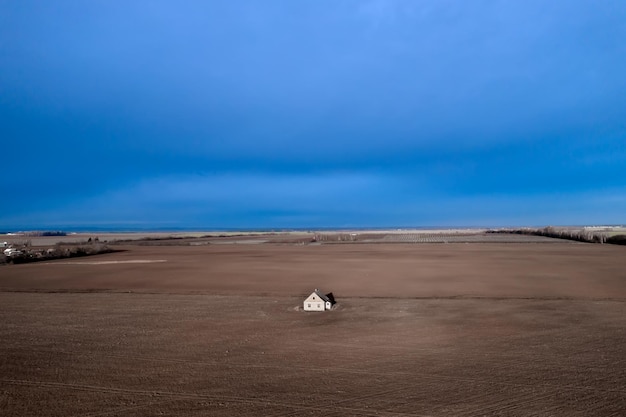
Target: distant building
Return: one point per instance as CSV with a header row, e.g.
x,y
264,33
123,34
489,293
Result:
x,y
318,301
12,252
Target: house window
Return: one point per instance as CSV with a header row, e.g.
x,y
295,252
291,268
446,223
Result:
x,y
309,305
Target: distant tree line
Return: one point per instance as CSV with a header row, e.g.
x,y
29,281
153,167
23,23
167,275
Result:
x,y
28,254
568,234
617,240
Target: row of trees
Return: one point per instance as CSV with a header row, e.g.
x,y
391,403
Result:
x,y
579,235
60,251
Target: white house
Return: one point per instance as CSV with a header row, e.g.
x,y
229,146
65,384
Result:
x,y
12,252
318,301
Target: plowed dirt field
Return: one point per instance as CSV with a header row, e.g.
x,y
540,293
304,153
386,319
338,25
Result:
x,y
533,329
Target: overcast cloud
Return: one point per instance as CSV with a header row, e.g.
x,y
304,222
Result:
x,y
315,113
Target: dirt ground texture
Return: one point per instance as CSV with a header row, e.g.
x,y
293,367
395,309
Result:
x,y
533,329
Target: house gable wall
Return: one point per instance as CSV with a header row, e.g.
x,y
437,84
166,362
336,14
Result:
x,y
314,303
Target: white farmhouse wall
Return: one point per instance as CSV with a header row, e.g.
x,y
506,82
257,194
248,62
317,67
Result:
x,y
314,303
314,306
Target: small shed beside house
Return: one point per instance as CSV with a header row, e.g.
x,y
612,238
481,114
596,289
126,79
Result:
x,y
318,301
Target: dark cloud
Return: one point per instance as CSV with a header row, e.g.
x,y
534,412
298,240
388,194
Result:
x,y
469,101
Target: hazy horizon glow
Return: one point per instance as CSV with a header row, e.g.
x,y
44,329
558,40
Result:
x,y
288,114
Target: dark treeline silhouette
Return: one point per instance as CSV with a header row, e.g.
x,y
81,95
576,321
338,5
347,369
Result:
x,y
568,234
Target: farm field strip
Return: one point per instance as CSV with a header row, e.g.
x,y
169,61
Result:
x,y
171,397
86,262
155,393
529,330
123,410
466,238
550,271
378,373
475,391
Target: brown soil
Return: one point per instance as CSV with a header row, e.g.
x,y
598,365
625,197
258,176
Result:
x,y
419,330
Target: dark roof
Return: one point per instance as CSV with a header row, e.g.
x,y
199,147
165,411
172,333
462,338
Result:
x,y
325,297
331,298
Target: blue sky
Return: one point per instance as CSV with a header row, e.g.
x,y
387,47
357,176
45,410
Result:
x,y
333,113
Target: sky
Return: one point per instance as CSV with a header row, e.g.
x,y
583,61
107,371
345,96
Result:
x,y
313,113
